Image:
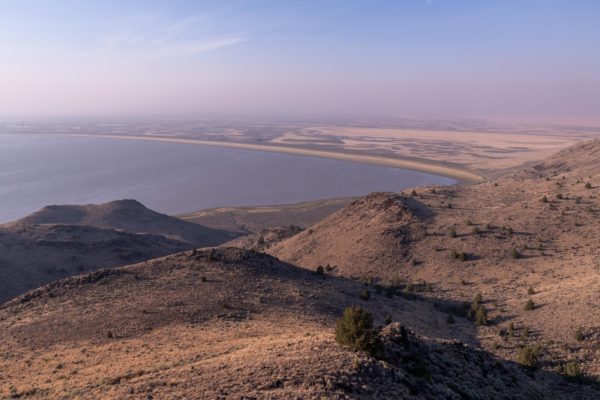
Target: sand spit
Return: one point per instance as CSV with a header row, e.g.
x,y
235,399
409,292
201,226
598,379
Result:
x,y
463,175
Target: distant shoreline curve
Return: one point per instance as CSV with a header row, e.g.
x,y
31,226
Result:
x,y
461,175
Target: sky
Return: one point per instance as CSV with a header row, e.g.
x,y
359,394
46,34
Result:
x,y
338,58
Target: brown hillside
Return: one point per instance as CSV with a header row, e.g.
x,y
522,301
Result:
x,y
516,244
33,255
371,237
230,323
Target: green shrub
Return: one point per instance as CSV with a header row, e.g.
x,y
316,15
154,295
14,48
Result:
x,y
571,370
320,270
365,295
469,222
529,356
458,255
525,333
544,199
511,329
452,233
211,255
476,230
354,330
481,316
530,305
559,196
477,311
413,193
109,334
530,291
578,335
588,185
514,253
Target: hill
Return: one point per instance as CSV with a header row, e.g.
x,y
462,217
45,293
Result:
x,y
367,238
230,323
532,234
33,255
130,216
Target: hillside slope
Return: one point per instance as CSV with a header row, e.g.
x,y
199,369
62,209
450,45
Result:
x,y
130,216
33,255
367,238
230,323
533,235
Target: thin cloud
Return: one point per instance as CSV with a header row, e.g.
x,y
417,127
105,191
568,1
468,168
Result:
x,y
150,37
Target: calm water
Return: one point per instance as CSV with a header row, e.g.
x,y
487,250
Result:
x,y
174,178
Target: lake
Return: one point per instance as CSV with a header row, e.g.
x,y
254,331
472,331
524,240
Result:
x,y
173,178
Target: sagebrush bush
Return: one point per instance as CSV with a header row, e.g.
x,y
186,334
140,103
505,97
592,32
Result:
x,y
514,253
529,356
477,311
511,329
588,185
530,291
354,330
452,233
365,295
458,255
481,317
578,335
530,305
571,370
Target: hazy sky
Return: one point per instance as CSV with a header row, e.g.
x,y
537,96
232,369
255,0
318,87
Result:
x,y
304,58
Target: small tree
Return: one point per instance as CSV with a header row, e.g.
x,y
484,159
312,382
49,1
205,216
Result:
x,y
355,331
588,185
320,270
544,199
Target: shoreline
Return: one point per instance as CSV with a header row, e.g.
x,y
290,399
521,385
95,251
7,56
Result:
x,y
461,175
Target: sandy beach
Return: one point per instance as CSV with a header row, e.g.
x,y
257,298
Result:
x,y
463,175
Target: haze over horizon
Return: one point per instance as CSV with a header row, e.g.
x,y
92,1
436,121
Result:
x,y
509,59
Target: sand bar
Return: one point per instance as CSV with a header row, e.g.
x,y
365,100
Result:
x,y
460,174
